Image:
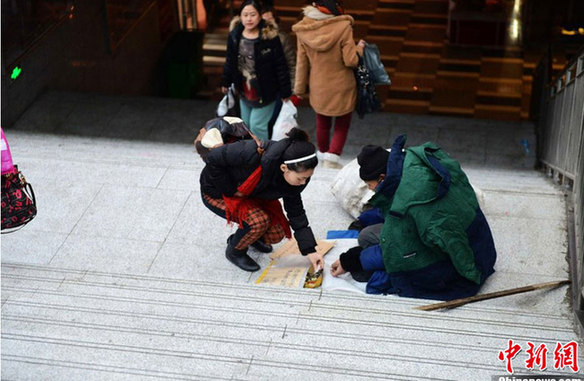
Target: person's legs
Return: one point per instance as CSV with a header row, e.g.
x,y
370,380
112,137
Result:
x,y
257,222
245,112
274,234
342,124
254,227
217,206
323,131
370,236
259,119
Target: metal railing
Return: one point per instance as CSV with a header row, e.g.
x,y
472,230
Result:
x,y
561,153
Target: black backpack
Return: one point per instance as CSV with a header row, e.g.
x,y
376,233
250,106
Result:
x,y
231,129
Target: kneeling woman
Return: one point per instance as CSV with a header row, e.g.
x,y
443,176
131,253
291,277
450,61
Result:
x,y
242,183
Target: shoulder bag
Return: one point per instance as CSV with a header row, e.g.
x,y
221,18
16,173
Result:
x,y
367,99
18,201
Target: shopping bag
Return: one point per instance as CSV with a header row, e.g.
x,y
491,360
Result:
x,y
372,60
227,105
7,165
286,120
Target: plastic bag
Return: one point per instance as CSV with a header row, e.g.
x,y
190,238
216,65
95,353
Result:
x,y
226,106
372,60
7,165
349,190
286,120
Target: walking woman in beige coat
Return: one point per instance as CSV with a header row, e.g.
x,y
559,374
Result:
x,y
326,56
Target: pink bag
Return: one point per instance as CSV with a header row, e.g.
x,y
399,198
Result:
x,y
7,166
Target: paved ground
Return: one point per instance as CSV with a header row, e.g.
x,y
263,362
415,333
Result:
x,y
122,274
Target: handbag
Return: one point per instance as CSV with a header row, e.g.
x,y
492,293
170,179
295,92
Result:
x,y
18,201
372,60
367,99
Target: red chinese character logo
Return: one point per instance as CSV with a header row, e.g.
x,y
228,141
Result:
x,y
509,354
537,357
566,356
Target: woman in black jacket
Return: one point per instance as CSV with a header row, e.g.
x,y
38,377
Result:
x,y
242,184
255,63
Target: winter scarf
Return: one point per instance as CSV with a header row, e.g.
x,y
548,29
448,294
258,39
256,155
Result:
x,y
237,208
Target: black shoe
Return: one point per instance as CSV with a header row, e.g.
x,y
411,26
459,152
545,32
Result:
x,y
262,247
240,259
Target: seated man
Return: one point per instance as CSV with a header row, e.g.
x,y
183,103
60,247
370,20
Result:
x,y
428,238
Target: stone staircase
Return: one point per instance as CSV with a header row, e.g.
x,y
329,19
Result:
x,y
87,295
73,324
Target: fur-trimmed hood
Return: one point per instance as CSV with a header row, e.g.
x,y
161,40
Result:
x,y
268,30
321,31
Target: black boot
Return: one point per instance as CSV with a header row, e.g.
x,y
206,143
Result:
x,y
240,258
261,246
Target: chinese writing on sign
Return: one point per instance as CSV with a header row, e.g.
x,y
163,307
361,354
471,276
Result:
x,y
565,356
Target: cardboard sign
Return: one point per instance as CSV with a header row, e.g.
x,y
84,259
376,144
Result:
x,y
288,267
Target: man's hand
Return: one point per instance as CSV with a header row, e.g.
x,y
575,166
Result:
x,y
337,269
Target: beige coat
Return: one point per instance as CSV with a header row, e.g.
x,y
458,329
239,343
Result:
x,y
325,60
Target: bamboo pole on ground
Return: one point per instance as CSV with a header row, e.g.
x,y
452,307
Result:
x,y
491,295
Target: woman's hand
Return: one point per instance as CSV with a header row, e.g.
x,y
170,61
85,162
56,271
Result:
x,y
238,194
361,43
199,137
316,260
337,269
224,89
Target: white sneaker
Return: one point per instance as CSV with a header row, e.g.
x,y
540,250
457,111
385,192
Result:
x,y
331,161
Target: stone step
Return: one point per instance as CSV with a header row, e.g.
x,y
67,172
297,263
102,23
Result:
x,y
114,321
